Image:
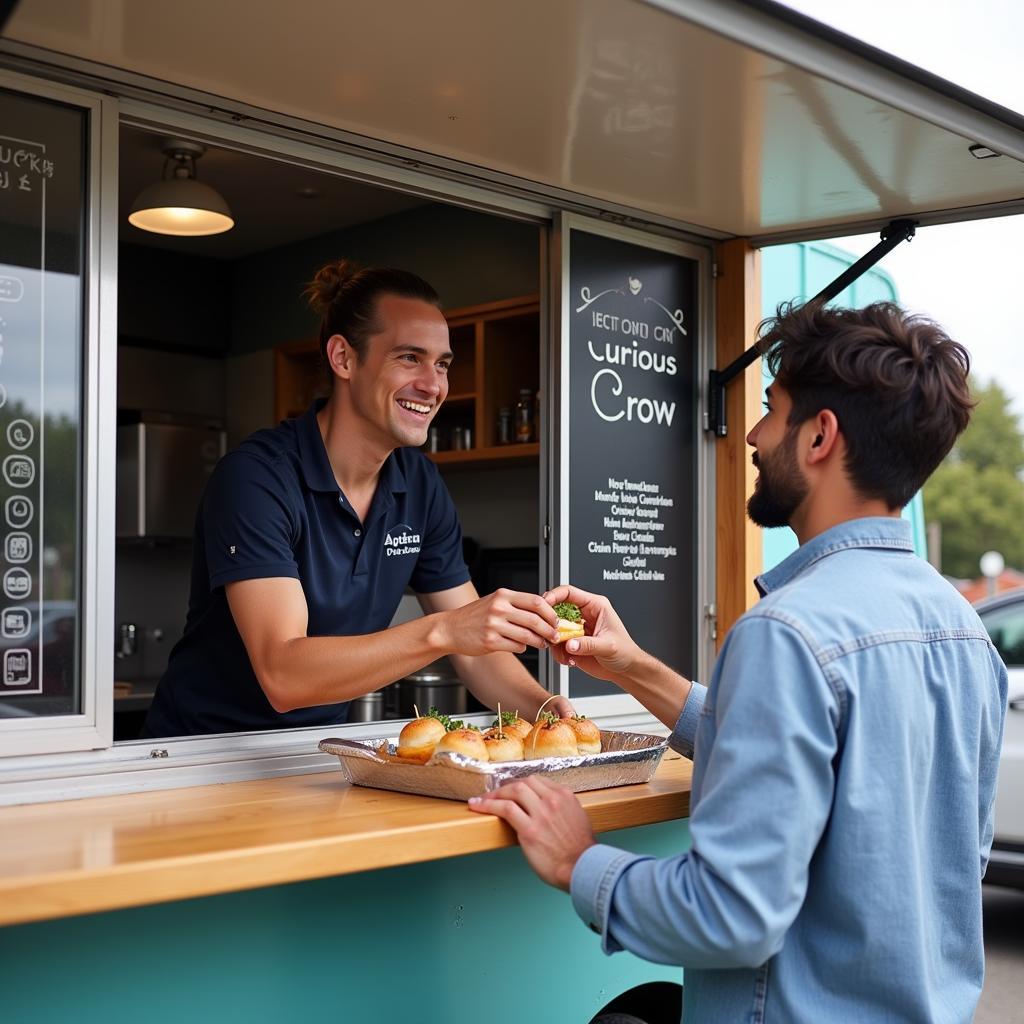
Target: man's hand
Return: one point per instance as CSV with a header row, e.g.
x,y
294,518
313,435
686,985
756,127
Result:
x,y
608,651
553,828
560,706
506,620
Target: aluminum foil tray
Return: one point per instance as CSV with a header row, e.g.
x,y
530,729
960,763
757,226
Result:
x,y
626,758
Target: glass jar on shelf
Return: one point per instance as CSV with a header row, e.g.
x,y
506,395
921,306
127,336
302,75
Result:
x,y
524,417
505,432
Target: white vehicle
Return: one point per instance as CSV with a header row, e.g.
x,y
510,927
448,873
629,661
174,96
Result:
x,y
1003,616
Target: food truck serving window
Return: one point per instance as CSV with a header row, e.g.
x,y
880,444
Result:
x,y
43,188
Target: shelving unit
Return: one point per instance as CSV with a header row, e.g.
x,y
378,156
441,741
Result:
x,y
497,352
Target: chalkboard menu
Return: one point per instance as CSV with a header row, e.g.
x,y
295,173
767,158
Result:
x,y
633,435
42,203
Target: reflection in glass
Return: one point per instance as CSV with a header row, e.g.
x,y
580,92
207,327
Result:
x,y
42,198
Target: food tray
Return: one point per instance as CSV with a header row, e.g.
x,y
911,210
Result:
x,y
626,758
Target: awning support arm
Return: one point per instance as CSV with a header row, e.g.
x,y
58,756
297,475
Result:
x,y
892,234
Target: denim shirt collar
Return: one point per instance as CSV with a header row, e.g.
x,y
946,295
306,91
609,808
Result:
x,y
869,532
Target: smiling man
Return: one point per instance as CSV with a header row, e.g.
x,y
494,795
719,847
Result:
x,y
845,751
309,534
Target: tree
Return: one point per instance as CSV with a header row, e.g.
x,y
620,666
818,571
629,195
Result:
x,y
977,494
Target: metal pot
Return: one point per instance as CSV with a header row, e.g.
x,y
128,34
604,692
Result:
x,y
436,685
368,708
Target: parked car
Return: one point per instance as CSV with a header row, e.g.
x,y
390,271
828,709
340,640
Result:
x,y
1003,616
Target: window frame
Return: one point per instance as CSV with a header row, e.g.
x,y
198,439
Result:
x,y
93,727
558,363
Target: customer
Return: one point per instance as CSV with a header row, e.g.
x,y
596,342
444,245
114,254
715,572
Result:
x,y
845,752
309,534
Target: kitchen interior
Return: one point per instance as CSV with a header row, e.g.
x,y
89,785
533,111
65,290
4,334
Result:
x,y
215,341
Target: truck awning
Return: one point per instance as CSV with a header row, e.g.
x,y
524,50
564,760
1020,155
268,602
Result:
x,y
727,118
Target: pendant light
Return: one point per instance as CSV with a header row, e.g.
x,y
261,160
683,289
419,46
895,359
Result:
x,y
180,205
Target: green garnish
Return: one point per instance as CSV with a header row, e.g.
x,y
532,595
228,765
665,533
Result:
x,y
568,611
450,724
550,717
434,713
507,718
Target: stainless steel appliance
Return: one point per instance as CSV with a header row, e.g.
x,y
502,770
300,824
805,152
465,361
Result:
x,y
436,685
163,464
367,708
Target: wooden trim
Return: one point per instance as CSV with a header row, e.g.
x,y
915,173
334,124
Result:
x,y
737,314
477,458
493,310
83,856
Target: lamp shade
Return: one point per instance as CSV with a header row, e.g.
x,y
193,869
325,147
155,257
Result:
x,y
181,206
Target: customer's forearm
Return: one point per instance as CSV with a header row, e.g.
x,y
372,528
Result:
x,y
661,690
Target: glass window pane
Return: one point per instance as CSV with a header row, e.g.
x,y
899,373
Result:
x,y
42,204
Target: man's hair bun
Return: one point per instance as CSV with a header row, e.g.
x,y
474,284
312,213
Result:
x,y
328,283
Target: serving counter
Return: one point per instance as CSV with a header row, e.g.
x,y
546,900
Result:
x,y
396,895
84,856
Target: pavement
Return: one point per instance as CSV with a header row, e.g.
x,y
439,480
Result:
x,y
1002,999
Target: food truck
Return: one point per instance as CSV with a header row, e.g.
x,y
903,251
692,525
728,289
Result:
x,y
589,186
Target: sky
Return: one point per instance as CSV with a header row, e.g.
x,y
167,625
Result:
x,y
966,276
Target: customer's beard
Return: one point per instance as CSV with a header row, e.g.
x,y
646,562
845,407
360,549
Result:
x,y
780,488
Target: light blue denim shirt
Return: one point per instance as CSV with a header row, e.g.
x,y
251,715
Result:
x,y
845,760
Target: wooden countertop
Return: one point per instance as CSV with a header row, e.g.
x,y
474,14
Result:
x,y
105,853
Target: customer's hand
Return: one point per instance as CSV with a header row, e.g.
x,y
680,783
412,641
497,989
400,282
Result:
x,y
607,651
553,828
506,620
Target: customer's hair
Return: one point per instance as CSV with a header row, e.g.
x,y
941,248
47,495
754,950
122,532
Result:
x,y
896,382
345,295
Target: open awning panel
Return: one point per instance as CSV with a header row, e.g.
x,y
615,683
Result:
x,y
656,108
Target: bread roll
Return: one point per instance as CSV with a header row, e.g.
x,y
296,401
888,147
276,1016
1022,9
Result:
x,y
569,630
588,736
416,742
503,746
463,741
511,723
551,737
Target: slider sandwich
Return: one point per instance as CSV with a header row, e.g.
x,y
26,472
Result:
x,y
416,742
588,736
503,745
570,621
551,737
510,722
467,742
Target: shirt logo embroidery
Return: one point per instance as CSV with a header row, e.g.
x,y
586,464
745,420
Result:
x,y
401,540
232,549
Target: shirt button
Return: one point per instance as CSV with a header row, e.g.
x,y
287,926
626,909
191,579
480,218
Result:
x,y
358,533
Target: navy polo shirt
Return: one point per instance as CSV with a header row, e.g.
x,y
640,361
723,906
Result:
x,y
273,508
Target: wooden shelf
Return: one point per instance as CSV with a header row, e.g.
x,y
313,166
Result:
x,y
477,458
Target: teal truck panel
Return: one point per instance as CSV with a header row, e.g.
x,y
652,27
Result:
x,y
423,943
